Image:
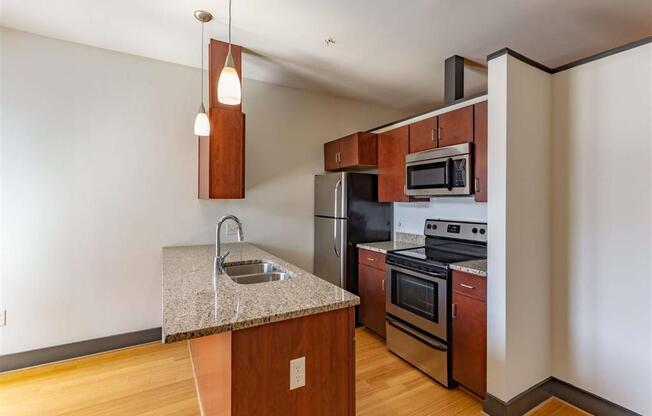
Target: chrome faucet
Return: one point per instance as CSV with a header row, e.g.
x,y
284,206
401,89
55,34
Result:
x,y
218,263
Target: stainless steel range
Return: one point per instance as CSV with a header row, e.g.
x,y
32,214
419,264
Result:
x,y
418,297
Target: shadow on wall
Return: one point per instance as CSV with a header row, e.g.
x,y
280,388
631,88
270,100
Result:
x,y
564,249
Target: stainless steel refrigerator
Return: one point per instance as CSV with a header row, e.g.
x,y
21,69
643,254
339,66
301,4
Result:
x,y
346,213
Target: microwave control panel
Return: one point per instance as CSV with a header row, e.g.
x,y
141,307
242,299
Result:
x,y
459,173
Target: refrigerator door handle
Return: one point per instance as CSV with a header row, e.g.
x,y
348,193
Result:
x,y
337,185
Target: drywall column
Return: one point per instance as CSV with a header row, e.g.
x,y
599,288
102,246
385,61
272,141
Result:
x,y
602,228
518,339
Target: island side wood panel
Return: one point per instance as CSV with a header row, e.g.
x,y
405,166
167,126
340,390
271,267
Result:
x,y
258,363
261,364
211,365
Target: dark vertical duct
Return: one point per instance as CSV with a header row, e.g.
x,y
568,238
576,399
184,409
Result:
x,y
453,79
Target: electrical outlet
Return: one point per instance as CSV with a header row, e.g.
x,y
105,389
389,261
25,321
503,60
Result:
x,y
3,317
297,373
231,229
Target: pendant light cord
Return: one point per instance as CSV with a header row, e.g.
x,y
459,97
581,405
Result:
x,y
202,64
229,26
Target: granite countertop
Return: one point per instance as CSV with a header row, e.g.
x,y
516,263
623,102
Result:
x,y
385,246
191,308
476,267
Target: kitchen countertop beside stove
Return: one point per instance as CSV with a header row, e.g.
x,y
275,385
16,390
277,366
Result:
x,y
476,267
385,246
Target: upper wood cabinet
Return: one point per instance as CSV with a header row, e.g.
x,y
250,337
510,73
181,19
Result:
x,y
456,127
222,155
480,151
393,145
355,151
423,135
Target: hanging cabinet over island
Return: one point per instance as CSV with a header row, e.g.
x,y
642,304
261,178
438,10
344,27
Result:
x,y
222,155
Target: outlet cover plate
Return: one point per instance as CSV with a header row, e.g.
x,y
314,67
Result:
x,y
297,373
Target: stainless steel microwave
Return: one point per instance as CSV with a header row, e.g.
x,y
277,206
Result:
x,y
439,172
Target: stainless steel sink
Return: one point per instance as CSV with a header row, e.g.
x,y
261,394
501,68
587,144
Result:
x,y
251,273
261,278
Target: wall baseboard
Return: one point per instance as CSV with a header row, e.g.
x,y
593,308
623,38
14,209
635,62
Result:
x,y
31,358
520,404
550,387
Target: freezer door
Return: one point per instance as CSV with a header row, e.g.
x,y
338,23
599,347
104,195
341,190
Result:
x,y
330,195
330,250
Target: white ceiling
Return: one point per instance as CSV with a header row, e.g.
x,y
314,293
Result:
x,y
388,52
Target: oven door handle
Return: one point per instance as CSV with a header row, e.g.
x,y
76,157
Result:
x,y
449,174
430,277
421,337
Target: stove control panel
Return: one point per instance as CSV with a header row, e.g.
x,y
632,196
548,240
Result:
x,y
471,231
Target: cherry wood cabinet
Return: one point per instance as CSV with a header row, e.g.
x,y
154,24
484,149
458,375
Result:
x,y
222,155
423,135
246,372
371,281
355,151
480,151
393,145
332,155
469,332
456,127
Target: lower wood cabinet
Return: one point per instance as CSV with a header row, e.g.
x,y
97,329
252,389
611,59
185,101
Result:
x,y
371,288
469,332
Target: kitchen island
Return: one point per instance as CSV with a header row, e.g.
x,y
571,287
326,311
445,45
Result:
x,y
242,337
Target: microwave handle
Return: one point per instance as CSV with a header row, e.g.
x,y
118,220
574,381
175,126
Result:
x,y
449,174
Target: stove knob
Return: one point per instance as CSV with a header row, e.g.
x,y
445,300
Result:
x,y
429,226
434,226
482,231
474,230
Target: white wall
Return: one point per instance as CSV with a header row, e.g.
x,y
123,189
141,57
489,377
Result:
x,y
410,217
518,298
602,228
99,171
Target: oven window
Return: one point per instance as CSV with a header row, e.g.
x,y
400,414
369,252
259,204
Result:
x,y
429,175
416,295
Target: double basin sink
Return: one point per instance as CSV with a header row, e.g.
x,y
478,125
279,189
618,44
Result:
x,y
260,272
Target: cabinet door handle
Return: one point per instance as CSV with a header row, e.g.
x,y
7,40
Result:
x,y
382,284
454,310
433,135
371,259
438,133
467,286
477,184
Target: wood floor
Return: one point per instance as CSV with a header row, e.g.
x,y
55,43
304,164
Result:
x,y
157,379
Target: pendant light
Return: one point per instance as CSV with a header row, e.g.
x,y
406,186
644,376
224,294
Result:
x,y
228,86
202,125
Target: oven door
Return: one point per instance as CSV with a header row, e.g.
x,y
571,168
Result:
x,y
419,299
441,176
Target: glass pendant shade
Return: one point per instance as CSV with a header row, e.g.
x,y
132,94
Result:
x,y
228,86
202,125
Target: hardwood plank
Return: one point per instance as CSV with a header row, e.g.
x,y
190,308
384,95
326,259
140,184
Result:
x,y
156,379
